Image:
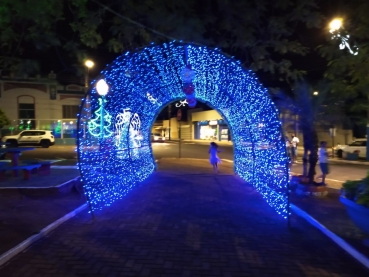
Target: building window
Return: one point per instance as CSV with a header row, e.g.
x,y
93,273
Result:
x,y
26,111
70,111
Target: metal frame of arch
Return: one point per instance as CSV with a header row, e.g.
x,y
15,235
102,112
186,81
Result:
x,y
141,83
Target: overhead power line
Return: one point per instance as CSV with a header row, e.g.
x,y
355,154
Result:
x,y
136,23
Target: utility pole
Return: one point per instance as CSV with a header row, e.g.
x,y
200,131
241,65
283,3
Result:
x,y
367,131
169,116
179,118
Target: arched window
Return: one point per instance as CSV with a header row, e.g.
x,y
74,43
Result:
x,y
26,110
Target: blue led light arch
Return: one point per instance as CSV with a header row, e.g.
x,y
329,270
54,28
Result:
x,y
141,83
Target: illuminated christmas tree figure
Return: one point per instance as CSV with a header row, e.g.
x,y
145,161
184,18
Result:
x,y
58,129
94,126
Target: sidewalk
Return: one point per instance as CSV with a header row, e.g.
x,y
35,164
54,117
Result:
x,y
300,151
186,221
26,207
203,141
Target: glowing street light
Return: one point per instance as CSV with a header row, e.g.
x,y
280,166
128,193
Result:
x,y
335,24
315,93
89,63
335,29
102,89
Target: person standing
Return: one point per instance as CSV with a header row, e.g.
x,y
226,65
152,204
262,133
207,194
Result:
x,y
288,145
323,161
294,143
214,159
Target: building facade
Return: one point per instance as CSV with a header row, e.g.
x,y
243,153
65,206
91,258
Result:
x,y
209,125
44,103
40,103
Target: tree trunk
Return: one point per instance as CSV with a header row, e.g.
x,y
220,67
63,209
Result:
x,y
305,162
313,155
307,142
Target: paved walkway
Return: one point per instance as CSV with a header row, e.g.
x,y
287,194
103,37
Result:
x,y
185,221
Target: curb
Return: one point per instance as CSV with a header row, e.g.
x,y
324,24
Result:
x,y
64,167
4,258
348,162
63,188
338,240
43,188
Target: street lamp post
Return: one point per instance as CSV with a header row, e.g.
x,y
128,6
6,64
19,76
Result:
x,y
335,26
102,89
89,64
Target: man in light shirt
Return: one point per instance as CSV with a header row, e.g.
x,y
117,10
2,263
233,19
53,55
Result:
x,y
294,143
323,160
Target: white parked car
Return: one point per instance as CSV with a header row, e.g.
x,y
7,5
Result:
x,y
41,138
338,150
358,145
157,137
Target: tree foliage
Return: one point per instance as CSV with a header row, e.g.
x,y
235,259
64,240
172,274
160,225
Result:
x,y
4,120
312,111
26,24
263,36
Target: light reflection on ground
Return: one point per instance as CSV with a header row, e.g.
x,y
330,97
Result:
x,y
159,143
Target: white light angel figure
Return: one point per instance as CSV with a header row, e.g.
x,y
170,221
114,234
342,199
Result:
x,y
135,131
128,131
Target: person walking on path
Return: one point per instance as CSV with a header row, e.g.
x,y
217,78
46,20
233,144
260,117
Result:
x,y
294,143
214,159
323,161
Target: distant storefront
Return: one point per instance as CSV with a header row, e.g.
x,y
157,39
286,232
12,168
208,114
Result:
x,y
208,125
211,130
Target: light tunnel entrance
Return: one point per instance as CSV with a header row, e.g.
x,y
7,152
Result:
x,y
114,135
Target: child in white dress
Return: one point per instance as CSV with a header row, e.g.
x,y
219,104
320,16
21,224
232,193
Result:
x,y
214,159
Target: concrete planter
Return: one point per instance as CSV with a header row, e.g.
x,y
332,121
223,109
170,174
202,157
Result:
x,y
358,213
351,156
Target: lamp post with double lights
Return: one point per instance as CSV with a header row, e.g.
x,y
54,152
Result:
x,y
335,28
89,64
336,25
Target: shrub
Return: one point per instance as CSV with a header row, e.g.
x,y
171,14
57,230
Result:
x,y
357,190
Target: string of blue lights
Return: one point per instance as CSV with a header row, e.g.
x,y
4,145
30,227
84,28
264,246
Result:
x,y
141,83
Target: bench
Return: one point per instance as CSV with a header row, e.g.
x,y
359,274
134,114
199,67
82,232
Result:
x,y
26,170
44,168
4,164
